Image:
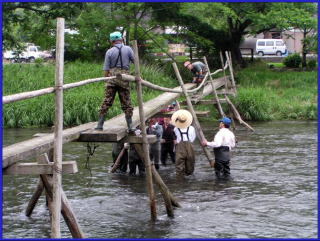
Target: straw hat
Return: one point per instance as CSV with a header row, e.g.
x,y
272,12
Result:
x,y
181,119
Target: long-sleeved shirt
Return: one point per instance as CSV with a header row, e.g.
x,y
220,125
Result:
x,y
168,134
110,60
191,133
224,137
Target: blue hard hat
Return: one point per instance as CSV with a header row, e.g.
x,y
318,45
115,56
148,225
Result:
x,y
115,36
225,120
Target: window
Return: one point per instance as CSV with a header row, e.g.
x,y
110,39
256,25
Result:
x,y
279,43
270,43
32,49
262,43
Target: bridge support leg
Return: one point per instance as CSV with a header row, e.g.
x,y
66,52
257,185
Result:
x,y
145,143
34,199
169,199
66,209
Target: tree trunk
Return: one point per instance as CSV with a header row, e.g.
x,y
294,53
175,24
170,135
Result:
x,y
304,49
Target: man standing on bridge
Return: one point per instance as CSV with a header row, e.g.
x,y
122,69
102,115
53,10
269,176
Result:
x,y
117,60
224,140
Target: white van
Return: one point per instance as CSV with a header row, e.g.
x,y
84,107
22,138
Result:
x,y
270,46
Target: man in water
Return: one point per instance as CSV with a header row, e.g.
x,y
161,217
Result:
x,y
224,140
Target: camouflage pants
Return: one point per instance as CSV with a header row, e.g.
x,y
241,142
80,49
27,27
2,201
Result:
x,y
114,86
185,158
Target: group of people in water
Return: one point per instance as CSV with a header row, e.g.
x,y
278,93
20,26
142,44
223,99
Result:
x,y
175,135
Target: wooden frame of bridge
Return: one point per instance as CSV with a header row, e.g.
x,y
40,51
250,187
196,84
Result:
x,y
47,148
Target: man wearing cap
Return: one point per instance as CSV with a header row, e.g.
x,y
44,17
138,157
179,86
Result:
x,y
198,70
224,140
117,60
185,133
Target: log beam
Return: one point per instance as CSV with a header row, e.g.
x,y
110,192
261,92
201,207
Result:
x,y
68,167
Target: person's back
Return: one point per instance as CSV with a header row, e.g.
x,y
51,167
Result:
x,y
116,62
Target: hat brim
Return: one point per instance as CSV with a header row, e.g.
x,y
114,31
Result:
x,y
186,114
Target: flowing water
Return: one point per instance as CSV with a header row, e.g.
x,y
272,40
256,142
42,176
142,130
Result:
x,y
272,192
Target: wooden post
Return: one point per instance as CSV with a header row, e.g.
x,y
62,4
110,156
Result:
x,y
66,210
167,195
118,160
231,71
34,199
145,144
214,89
237,115
56,190
224,71
195,119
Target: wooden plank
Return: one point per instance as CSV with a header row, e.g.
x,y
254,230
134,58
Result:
x,y
169,114
68,167
115,129
139,140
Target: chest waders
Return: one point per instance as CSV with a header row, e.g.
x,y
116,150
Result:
x,y
185,157
222,161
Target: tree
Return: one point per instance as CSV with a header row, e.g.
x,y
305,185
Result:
x,y
34,22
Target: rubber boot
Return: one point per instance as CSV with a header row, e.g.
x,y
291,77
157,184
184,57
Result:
x,y
130,130
100,123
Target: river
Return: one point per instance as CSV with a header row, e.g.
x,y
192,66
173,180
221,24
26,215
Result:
x,y
272,192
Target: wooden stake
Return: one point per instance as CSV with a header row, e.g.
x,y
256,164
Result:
x,y
215,96
195,119
66,210
55,225
167,195
224,71
34,199
145,144
117,162
237,115
231,72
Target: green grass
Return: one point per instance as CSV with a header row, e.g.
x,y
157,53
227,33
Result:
x,y
263,94
269,95
277,65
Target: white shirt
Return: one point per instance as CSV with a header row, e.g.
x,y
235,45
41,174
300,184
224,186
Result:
x,y
191,133
224,137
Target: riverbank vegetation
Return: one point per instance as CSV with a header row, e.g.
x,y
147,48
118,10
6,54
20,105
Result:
x,y
263,94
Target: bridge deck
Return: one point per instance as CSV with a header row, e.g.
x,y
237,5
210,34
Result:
x,y
114,129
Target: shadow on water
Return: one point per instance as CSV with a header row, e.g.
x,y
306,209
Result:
x,y
272,192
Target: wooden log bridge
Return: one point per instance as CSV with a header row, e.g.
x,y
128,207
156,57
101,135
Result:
x,y
114,129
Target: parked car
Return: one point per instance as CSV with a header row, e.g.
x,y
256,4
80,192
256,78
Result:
x,y
29,54
271,46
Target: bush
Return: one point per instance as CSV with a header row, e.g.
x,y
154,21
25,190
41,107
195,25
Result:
x,y
312,64
292,61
